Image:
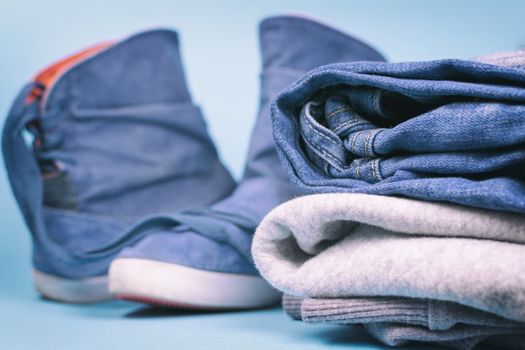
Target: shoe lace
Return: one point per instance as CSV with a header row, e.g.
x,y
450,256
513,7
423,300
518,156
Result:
x,y
191,218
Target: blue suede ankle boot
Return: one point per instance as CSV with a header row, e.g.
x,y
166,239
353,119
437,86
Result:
x,y
97,142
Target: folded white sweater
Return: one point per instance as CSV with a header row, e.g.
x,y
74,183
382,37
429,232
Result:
x,y
341,245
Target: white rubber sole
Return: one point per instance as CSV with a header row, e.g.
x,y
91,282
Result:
x,y
86,290
164,284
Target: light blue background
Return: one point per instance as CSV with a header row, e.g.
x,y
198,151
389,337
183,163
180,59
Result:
x,y
221,55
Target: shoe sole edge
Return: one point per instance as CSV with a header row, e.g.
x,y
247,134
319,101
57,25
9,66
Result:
x,y
170,285
77,291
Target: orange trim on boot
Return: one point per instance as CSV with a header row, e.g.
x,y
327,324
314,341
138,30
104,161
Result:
x,y
47,76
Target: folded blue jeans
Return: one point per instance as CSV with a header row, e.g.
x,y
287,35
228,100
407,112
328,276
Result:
x,y
446,130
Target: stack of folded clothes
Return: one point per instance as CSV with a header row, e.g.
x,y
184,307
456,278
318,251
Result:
x,y
415,225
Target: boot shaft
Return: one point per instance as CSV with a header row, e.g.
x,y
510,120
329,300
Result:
x,y
290,46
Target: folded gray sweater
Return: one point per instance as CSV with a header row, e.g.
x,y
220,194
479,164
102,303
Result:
x,y
396,321
344,245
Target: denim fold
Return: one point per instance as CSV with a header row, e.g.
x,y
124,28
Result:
x,y
447,130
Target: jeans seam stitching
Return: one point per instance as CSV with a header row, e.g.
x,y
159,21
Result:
x,y
324,153
349,123
354,138
337,111
375,169
372,145
367,140
327,137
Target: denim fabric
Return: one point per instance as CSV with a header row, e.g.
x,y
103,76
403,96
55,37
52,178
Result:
x,y
447,130
289,46
117,138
